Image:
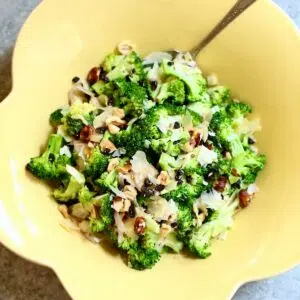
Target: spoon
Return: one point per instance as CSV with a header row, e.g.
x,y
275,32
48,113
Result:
x,y
235,11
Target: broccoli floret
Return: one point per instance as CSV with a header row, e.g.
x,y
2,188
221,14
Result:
x,y
50,165
96,164
107,180
167,162
130,96
219,95
106,215
103,88
184,193
132,140
172,91
201,237
192,77
248,165
167,145
72,189
85,196
80,114
221,123
184,221
238,109
140,258
56,118
121,66
173,243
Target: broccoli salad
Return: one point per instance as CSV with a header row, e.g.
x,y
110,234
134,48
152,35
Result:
x,y
151,155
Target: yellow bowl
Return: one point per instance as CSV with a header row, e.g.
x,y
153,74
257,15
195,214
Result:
x,y
258,56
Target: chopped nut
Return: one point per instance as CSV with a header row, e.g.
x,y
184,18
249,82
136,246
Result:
x,y
244,198
87,151
234,172
163,178
130,192
94,212
112,164
119,112
139,225
121,205
115,121
117,204
125,169
107,146
79,211
113,129
126,47
84,226
201,217
63,209
203,208
188,147
126,206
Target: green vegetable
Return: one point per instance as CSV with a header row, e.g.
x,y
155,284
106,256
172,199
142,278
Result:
x,y
71,190
172,91
50,165
192,77
96,164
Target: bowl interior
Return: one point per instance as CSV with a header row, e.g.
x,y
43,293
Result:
x,y
258,59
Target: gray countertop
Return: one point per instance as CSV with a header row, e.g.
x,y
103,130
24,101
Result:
x,y
20,279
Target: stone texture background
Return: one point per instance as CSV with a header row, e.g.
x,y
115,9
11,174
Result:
x,y
22,280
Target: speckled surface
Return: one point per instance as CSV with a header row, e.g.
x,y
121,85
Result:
x,y
22,280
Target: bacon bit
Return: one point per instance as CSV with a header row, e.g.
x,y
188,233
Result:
x,y
86,133
244,198
139,225
93,75
220,184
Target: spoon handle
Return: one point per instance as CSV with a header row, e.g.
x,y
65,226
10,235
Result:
x,y
234,12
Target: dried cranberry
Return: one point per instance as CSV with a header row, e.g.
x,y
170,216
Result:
x,y
244,198
93,76
221,184
139,225
86,133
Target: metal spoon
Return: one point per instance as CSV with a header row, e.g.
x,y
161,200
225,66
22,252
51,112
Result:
x,y
235,11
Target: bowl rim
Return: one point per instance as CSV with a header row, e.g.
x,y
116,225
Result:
x,y
233,286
